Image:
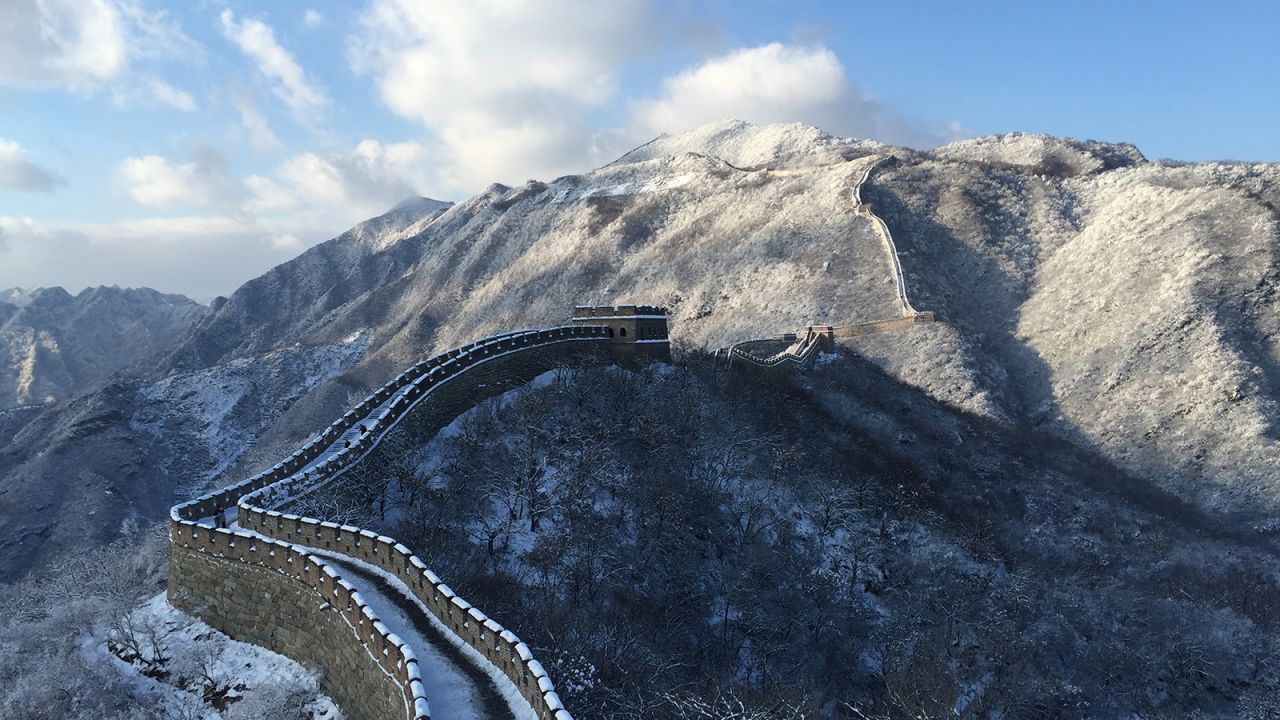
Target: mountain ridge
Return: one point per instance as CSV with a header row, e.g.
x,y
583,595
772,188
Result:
x,y
54,344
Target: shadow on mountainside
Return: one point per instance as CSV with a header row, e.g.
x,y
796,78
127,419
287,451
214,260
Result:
x,y
650,525
976,295
915,412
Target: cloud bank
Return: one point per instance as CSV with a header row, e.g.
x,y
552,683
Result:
x,y
770,84
505,89
85,45
510,93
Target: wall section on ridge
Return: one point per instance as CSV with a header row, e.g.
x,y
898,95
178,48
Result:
x,y
259,584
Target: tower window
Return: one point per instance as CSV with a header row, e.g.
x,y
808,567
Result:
x,y
610,332
622,332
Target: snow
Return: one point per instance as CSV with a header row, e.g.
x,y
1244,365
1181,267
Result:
x,y
449,692
569,192
1023,150
210,404
751,146
256,675
17,296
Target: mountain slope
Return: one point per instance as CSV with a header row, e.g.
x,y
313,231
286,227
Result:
x,y
307,298
1074,278
54,344
1128,304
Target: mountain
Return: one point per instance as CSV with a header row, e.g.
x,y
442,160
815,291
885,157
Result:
x,y
1128,305
54,344
310,296
1124,305
16,296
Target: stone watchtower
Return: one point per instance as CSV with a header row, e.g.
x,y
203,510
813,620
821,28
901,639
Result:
x,y
637,333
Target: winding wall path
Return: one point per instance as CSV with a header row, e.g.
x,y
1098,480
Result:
x,y
258,582
816,337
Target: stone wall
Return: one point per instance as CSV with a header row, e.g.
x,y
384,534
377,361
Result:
x,y
259,584
764,354
879,326
287,615
637,333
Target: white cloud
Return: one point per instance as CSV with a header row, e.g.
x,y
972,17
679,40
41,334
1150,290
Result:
x,y
17,172
155,35
354,185
768,84
60,43
286,241
197,255
762,85
510,91
268,196
151,92
312,18
257,40
251,226
82,44
252,120
166,94
506,88
204,181
153,180
340,187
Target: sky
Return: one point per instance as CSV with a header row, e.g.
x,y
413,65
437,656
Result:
x,y
193,145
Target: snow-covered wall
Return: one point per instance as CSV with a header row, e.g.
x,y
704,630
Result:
x,y
211,574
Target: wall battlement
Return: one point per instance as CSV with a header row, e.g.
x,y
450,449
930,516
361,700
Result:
x,y
605,311
257,582
637,333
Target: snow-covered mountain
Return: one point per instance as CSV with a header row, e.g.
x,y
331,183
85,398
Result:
x,y
16,296
1125,304
54,344
1129,305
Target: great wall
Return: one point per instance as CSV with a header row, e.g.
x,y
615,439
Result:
x,y
259,575
256,581
795,349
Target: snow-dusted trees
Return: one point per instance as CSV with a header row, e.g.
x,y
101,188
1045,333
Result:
x,y
44,670
683,543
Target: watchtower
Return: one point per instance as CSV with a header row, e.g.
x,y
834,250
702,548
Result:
x,y
637,333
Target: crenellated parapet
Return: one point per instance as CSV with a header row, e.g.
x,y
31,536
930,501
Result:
x,y
259,581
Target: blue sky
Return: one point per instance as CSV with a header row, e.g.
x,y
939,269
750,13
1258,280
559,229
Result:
x,y
193,145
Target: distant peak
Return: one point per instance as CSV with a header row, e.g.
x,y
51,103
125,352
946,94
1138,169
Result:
x,y
419,203
746,145
17,296
385,230
1043,154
